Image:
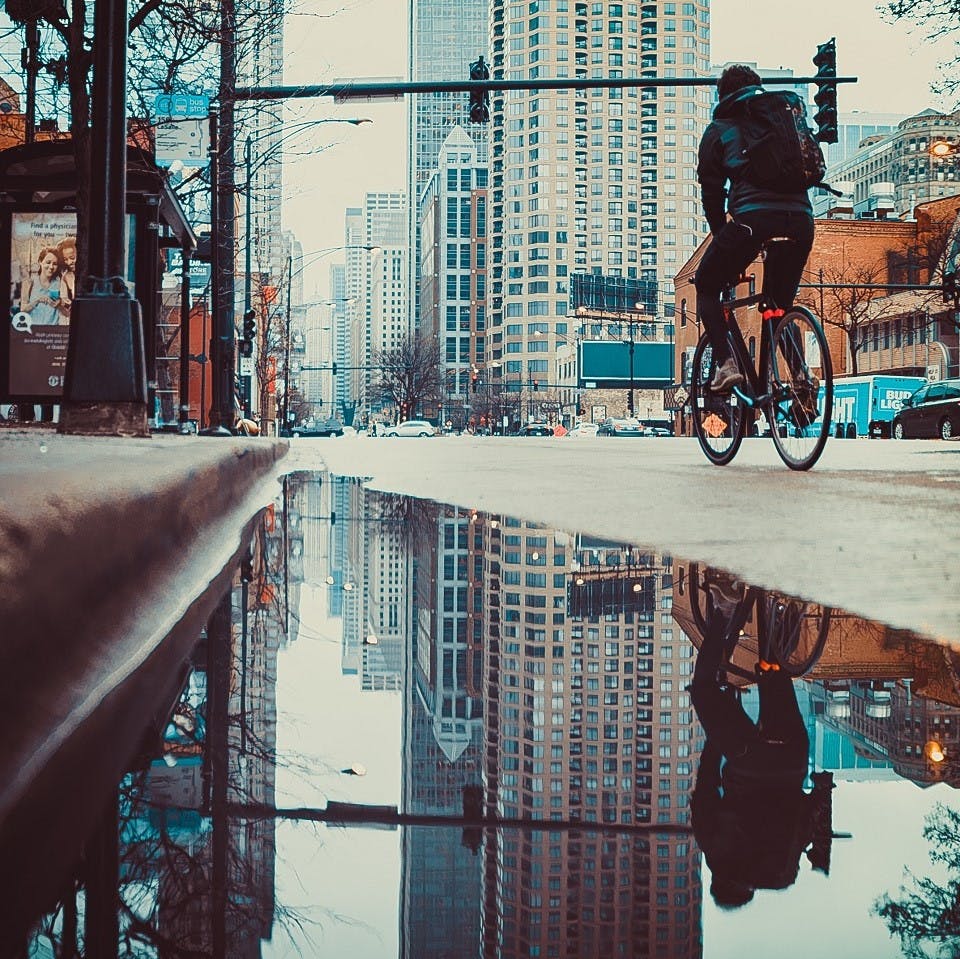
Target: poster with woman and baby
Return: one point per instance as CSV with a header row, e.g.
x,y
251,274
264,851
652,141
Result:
x,y
43,257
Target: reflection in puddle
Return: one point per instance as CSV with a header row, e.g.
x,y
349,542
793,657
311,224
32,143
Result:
x,y
420,730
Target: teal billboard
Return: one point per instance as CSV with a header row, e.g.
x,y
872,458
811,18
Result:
x,y
605,364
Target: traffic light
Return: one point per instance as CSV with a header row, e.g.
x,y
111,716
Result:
x,y
333,369
250,326
479,97
826,96
951,293
536,384
474,380
246,347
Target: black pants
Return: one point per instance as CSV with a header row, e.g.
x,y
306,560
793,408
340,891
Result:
x,y
734,248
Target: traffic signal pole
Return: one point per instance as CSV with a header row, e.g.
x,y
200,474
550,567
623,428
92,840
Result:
x,y
365,90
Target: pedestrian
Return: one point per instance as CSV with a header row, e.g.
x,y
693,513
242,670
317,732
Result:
x,y
756,213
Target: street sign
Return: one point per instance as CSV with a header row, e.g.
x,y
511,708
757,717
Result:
x,y
184,140
246,366
181,105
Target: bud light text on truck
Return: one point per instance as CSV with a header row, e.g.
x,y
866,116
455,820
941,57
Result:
x,y
869,403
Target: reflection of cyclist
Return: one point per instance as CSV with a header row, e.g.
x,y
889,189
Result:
x,y
751,818
757,214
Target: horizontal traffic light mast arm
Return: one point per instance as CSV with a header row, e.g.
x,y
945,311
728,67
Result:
x,y
359,89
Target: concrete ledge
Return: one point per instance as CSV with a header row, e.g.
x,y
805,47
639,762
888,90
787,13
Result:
x,y
106,545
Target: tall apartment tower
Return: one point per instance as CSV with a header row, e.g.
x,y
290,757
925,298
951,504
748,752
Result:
x,y
446,36
261,64
453,280
590,181
381,271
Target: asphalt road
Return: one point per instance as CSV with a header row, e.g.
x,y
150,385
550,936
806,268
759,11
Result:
x,y
874,528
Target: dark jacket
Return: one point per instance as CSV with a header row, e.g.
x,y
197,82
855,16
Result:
x,y
721,161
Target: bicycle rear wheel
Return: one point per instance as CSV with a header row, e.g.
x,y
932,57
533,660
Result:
x,y
719,419
793,633
799,378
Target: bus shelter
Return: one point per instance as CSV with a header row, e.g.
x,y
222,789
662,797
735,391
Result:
x,y
38,250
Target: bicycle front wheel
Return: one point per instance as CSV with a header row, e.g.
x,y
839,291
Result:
x,y
719,419
799,378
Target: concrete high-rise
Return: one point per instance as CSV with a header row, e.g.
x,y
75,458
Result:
x,y
446,36
589,181
376,314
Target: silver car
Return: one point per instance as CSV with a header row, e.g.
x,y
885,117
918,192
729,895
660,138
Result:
x,y
411,428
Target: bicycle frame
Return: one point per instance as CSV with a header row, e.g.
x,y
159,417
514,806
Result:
x,y
757,398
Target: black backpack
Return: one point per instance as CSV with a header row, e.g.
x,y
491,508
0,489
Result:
x,y
779,147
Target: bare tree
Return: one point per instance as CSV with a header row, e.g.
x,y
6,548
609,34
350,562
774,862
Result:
x,y
937,18
851,298
173,48
926,913
411,374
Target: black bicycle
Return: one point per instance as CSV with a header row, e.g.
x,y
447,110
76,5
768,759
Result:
x,y
789,392
759,624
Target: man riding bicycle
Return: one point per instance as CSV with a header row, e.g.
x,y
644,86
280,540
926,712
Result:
x,y
756,215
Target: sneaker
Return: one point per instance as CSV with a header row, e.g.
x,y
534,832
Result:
x,y
727,376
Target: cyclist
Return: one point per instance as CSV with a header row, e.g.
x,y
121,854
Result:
x,y
756,215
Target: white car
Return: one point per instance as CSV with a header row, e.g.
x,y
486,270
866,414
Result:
x,y
583,430
410,428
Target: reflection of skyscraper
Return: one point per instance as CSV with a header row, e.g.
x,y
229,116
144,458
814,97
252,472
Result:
x,y
442,744
588,720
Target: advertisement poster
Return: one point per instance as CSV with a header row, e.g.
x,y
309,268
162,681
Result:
x,y
43,257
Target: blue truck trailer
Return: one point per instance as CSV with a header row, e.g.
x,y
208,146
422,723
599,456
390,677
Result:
x,y
867,404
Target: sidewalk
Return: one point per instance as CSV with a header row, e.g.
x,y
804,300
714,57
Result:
x,y
113,553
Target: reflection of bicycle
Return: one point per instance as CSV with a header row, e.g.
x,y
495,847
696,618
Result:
x,y
792,368
761,624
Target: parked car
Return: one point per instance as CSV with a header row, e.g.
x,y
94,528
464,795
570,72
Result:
x,y
658,431
410,428
329,427
583,430
620,426
933,410
534,429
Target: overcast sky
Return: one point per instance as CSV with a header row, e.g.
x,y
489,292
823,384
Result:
x,y
368,38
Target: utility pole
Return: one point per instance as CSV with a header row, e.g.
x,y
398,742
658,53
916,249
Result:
x,y
223,335
286,344
105,386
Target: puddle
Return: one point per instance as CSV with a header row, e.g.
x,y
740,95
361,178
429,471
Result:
x,y
423,731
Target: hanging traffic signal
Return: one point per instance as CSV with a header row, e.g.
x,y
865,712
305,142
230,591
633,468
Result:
x,y
333,369
250,325
951,292
536,384
826,96
474,380
479,97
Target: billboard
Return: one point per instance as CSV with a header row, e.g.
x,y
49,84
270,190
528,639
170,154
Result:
x,y
605,364
43,257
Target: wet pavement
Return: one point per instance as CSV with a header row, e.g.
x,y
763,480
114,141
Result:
x,y
418,730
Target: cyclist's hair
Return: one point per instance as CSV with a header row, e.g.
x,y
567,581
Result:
x,y
736,77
